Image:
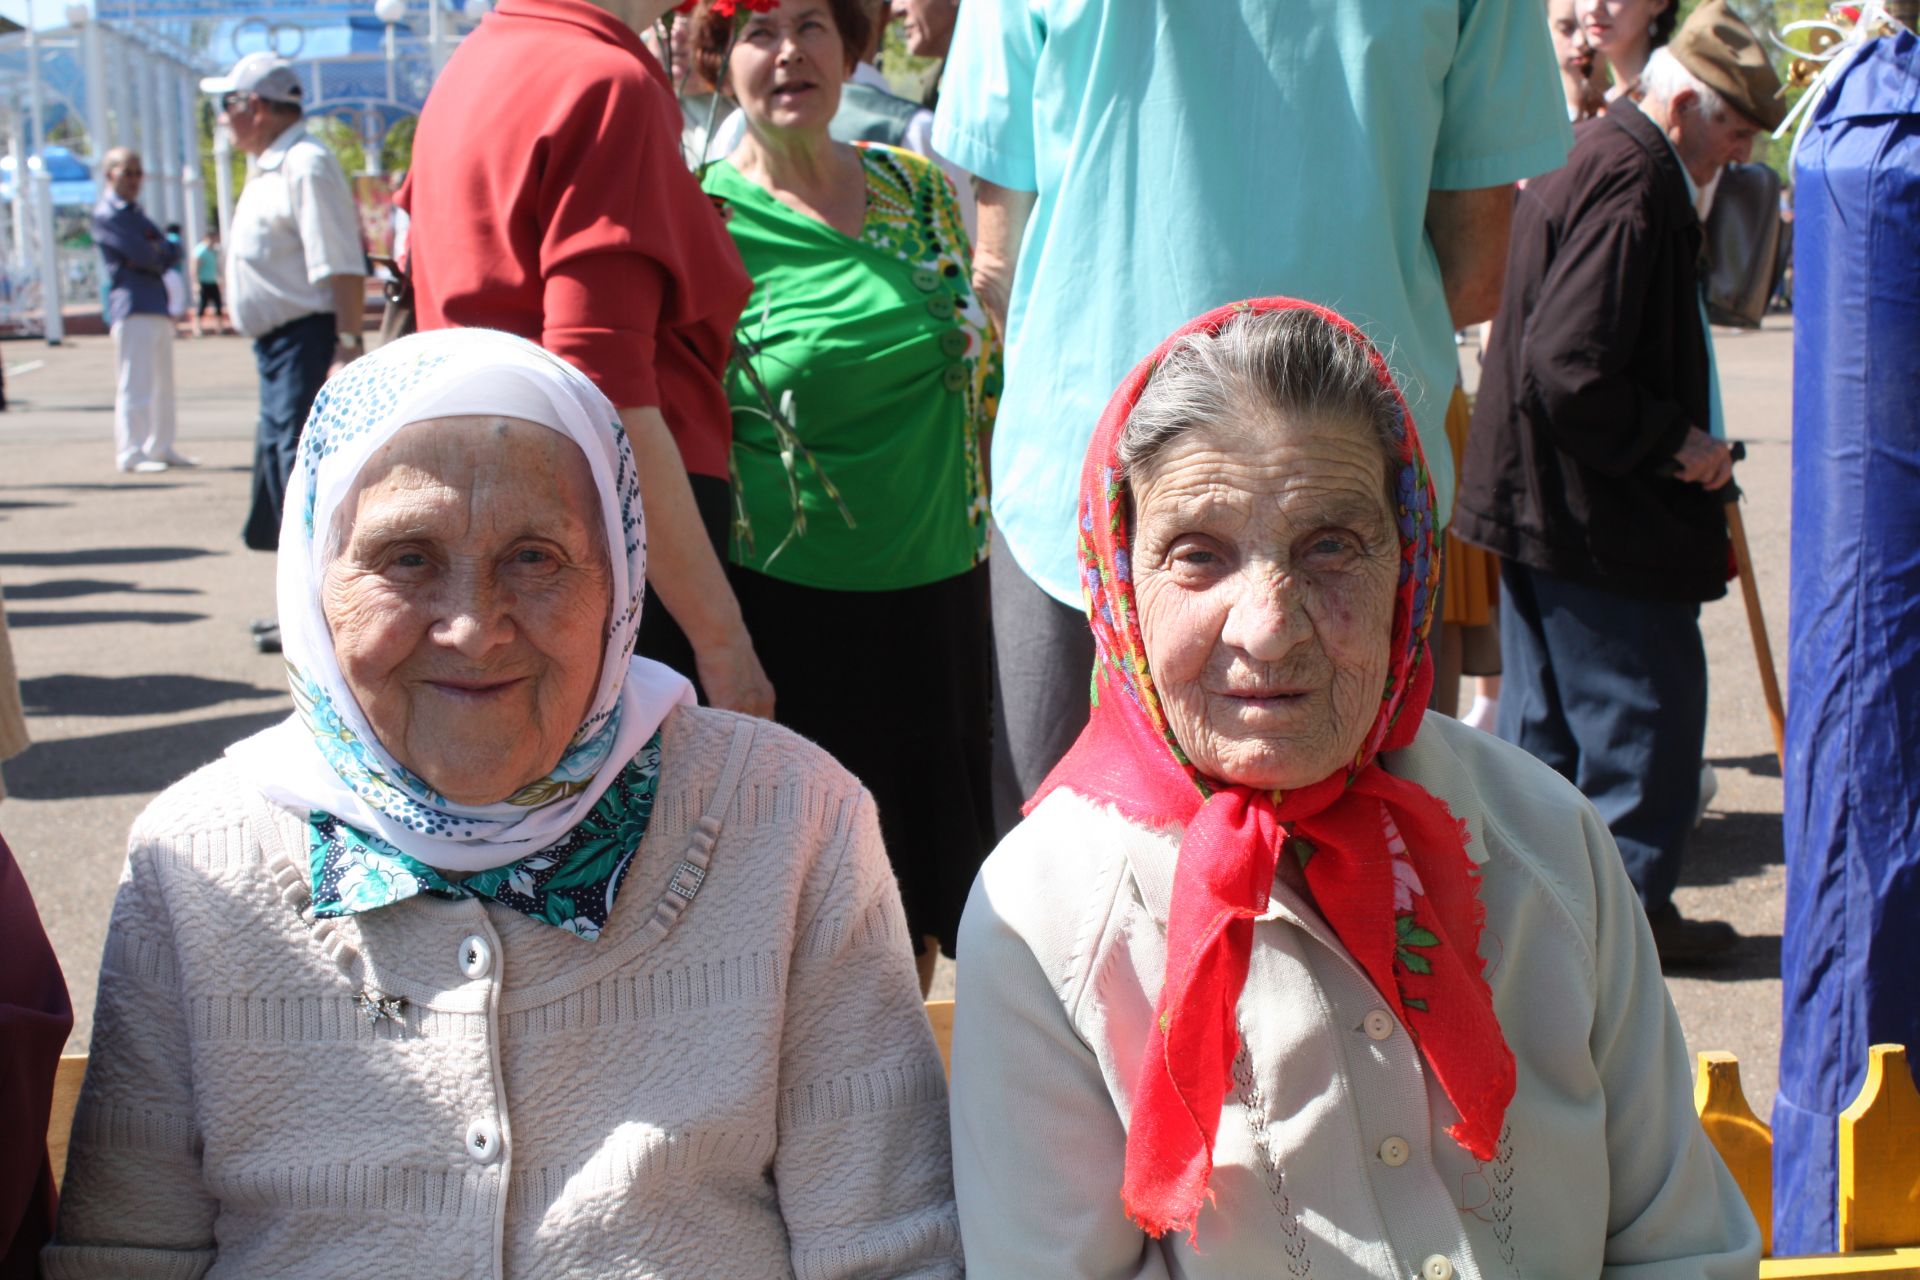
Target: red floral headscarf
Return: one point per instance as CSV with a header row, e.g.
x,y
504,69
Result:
x,y
1385,860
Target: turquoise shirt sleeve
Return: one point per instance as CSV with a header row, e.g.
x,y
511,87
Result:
x,y
1504,118
984,122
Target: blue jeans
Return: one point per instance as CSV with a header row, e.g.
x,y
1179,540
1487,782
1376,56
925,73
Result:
x,y
1610,690
293,362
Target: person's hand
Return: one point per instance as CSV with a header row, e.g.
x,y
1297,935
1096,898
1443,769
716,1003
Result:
x,y
1704,461
731,675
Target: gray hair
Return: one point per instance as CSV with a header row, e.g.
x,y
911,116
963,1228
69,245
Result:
x,y
115,157
1665,77
1291,362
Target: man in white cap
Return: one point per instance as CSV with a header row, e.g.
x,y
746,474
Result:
x,y
296,274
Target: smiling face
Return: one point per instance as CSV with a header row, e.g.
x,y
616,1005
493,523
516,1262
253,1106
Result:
x,y
1265,566
787,67
469,601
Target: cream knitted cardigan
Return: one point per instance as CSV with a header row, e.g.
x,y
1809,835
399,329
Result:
x,y
736,1080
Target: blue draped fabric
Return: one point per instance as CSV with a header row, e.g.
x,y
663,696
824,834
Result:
x,y
1850,957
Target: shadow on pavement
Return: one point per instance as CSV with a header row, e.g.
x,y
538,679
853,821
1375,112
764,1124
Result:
x,y
101,555
133,695
129,762
1760,766
68,588
118,486
92,617
1731,846
1756,955
25,506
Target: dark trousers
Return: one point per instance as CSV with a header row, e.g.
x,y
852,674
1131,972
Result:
x,y
1611,691
1043,667
293,362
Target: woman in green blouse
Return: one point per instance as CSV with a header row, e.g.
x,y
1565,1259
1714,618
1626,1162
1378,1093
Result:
x,y
863,389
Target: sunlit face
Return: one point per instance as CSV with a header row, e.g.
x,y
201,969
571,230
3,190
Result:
x,y
1265,565
469,601
1572,47
246,119
1620,27
125,176
926,26
787,66
1707,146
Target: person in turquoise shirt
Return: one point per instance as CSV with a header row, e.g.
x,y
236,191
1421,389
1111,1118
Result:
x,y
1142,161
206,274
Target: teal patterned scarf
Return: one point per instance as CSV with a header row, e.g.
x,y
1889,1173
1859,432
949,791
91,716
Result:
x,y
571,885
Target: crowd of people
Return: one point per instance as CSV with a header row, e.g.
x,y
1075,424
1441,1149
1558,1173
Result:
x,y
737,538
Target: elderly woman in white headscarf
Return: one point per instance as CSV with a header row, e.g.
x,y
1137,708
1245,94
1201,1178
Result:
x,y
499,956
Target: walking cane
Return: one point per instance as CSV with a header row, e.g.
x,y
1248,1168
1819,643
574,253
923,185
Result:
x,y
1756,621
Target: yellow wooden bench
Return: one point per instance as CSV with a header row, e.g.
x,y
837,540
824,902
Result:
x,y
1879,1162
66,1094
940,1014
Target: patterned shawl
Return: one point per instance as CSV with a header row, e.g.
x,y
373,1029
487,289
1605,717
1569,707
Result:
x,y
324,759
1385,860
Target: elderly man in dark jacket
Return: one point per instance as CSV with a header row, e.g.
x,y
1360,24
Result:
x,y
1593,464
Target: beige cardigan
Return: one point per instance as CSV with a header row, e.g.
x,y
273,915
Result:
x,y
736,1080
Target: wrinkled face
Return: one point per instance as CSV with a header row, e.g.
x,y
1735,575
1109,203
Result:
x,y
926,26
1572,46
1620,26
1265,563
1705,145
787,66
469,601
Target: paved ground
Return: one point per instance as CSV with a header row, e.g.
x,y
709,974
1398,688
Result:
x,y
128,599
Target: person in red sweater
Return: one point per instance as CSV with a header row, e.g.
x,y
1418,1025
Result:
x,y
548,198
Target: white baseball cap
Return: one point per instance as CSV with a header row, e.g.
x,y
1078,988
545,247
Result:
x,y
260,74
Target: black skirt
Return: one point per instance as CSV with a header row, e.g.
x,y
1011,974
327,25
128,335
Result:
x,y
897,686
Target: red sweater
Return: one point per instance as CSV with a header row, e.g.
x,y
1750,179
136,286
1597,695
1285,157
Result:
x,y
548,198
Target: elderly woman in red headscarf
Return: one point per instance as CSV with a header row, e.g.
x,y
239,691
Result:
x,y
1280,976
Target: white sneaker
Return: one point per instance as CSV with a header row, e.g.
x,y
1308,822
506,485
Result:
x,y
176,459
144,466
1709,788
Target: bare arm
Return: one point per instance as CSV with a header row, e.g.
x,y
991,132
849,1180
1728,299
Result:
x,y
686,575
1469,233
1003,222
349,310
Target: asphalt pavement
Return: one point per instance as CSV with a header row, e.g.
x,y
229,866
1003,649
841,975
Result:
x,y
128,598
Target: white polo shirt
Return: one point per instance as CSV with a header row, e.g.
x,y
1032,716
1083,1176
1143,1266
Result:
x,y
294,225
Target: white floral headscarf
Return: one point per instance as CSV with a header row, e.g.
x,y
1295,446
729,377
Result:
x,y
325,758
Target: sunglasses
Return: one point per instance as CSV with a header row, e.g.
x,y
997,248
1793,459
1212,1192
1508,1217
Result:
x,y
231,102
